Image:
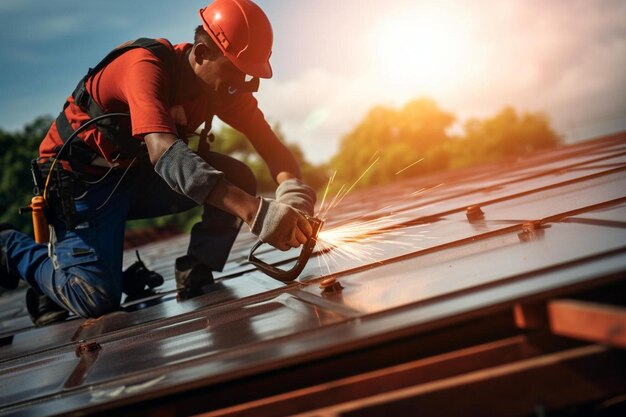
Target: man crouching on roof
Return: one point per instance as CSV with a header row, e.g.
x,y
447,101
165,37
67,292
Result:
x,y
125,168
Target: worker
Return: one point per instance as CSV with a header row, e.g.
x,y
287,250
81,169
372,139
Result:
x,y
124,168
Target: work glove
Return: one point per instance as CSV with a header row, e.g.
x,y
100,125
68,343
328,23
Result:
x,y
280,225
295,193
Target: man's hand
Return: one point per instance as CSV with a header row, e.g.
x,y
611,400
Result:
x,y
297,194
280,225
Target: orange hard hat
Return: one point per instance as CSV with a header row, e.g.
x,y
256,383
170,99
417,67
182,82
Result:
x,y
243,32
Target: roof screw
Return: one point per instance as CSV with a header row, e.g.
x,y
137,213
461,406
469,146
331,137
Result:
x,y
90,322
84,347
533,230
330,285
531,226
474,213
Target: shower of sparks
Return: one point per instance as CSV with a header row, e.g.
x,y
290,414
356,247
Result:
x,y
355,241
366,238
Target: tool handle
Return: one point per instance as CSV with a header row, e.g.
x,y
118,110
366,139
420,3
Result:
x,y
305,254
40,223
271,270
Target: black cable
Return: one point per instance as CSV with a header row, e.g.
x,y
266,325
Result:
x,y
72,137
87,124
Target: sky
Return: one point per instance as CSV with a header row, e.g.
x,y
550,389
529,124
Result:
x,y
334,60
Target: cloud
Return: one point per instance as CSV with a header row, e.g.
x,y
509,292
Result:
x,y
315,108
564,58
13,6
37,22
57,26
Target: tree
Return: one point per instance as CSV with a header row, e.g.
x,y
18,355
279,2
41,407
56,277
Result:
x,y
17,149
395,139
507,134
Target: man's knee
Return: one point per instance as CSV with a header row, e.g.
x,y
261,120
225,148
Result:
x,y
89,300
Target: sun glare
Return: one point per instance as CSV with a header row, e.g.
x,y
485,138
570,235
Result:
x,y
421,48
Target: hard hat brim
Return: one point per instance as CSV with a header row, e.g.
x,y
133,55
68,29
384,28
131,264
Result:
x,y
259,70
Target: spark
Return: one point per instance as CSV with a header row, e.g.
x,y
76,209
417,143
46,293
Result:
x,y
358,179
424,189
330,181
369,237
333,202
404,169
374,155
341,193
361,241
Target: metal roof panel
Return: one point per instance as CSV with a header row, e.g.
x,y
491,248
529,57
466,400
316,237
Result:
x,y
552,223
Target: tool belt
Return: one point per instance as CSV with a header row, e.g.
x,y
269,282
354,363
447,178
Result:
x,y
63,189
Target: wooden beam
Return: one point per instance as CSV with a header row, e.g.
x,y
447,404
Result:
x,y
531,315
383,383
550,382
600,323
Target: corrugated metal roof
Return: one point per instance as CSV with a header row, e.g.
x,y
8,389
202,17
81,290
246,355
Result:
x,y
554,223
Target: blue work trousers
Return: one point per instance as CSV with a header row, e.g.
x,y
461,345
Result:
x,y
84,272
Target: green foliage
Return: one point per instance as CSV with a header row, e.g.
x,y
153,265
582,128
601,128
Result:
x,y
394,140
17,149
504,135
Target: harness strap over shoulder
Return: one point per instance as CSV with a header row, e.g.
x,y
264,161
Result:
x,y
111,128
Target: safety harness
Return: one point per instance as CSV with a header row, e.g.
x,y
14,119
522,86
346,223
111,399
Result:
x,y
113,129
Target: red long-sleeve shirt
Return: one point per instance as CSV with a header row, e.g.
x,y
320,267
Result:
x,y
138,83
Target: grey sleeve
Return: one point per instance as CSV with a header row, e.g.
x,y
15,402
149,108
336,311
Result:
x,y
187,173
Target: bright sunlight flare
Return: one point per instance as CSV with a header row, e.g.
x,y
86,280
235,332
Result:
x,y
423,47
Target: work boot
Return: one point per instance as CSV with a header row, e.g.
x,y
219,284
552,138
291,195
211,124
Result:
x,y
191,276
8,279
42,310
137,277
